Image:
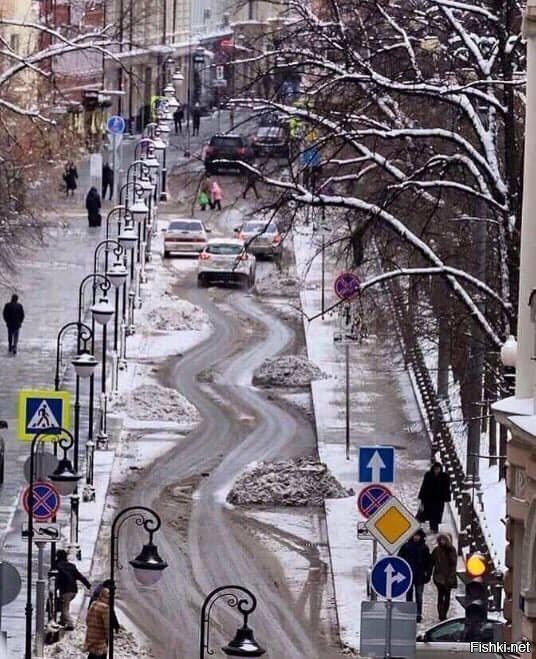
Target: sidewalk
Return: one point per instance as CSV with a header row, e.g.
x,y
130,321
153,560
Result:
x,y
383,411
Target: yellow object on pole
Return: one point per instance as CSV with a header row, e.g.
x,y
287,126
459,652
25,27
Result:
x,y
475,565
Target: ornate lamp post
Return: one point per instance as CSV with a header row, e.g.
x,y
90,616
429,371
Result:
x,y
84,365
65,479
148,565
244,643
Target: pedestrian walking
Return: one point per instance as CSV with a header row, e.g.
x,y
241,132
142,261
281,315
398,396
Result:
x,y
178,116
433,495
98,626
70,176
13,317
216,195
416,553
203,200
93,206
66,583
196,118
107,583
251,185
107,180
444,560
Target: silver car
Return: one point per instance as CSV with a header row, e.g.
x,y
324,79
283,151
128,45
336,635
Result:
x,y
185,236
226,260
446,640
261,238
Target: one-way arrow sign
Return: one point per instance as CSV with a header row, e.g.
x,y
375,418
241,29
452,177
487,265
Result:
x,y
376,464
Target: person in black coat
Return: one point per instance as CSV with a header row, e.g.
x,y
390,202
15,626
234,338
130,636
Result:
x,y
178,116
68,575
434,494
13,317
93,205
70,176
196,118
107,180
416,553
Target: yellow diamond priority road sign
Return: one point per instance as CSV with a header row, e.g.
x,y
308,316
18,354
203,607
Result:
x,y
392,524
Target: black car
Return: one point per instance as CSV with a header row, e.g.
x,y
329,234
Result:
x,y
227,147
271,141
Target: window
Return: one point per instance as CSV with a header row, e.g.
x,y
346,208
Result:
x,y
224,249
452,630
183,225
259,227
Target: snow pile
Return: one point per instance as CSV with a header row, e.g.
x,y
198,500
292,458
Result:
x,y
287,371
152,402
298,482
276,283
72,643
179,315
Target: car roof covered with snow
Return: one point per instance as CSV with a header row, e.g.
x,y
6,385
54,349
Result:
x,y
225,241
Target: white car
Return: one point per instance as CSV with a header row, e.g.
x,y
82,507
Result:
x,y
446,640
225,260
185,236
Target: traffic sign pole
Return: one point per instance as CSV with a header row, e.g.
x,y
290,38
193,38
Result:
x,y
388,628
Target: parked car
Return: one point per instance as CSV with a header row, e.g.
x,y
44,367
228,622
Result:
x,y
230,147
272,118
261,238
226,260
271,141
446,640
185,236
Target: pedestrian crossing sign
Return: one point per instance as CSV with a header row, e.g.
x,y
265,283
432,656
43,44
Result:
x,y
39,410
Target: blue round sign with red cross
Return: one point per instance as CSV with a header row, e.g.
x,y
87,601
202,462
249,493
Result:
x,y
346,286
46,501
371,498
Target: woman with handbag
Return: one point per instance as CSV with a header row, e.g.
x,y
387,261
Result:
x,y
93,206
444,560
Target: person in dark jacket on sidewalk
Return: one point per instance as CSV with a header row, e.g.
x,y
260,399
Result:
x,y
107,180
68,575
178,116
444,559
93,206
13,318
70,176
417,555
196,118
434,494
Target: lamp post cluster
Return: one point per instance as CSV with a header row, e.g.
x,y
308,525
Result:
x,y
114,293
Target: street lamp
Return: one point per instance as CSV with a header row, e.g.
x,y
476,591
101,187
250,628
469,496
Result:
x,y
148,565
84,365
244,643
177,81
67,480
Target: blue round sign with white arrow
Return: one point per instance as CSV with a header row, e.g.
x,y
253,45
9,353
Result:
x,y
391,577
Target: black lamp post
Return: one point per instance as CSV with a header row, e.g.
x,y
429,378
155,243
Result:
x,y
148,565
84,365
65,479
244,643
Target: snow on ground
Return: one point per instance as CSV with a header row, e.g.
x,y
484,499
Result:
x,y
177,314
71,646
298,482
154,402
274,283
287,371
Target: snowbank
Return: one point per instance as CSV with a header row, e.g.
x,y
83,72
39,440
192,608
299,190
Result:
x,y
287,371
70,647
275,283
299,482
152,402
177,315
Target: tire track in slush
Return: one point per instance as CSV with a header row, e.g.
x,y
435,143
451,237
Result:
x,y
219,548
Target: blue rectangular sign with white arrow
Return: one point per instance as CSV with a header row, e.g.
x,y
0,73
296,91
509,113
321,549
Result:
x,y
376,464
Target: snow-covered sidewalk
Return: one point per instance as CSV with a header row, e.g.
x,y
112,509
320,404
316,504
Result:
x,y
383,411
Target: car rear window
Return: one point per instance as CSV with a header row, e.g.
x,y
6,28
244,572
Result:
x,y
184,225
259,227
224,249
226,142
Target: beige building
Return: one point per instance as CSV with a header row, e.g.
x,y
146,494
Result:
x,y
22,41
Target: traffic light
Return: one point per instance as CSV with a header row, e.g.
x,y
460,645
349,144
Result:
x,y
476,597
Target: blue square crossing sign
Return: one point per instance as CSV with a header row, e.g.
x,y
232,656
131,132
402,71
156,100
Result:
x,y
41,410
